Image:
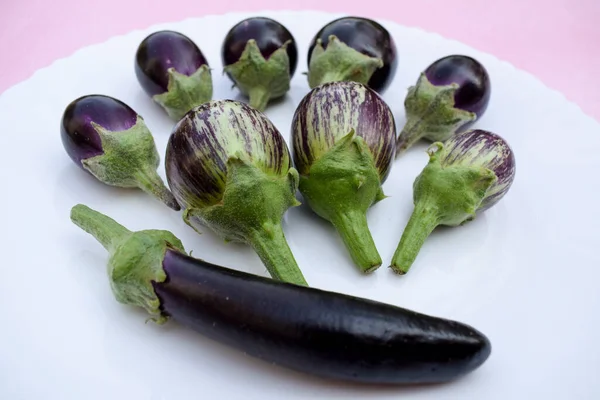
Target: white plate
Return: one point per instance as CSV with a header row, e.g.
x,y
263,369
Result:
x,y
526,273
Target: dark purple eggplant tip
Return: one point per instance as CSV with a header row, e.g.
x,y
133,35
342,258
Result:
x,y
80,139
472,78
367,37
163,50
269,35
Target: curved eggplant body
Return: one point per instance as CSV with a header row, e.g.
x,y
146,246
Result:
x,y
322,333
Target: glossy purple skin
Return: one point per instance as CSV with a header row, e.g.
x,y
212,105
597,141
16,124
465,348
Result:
x,y
472,78
79,138
367,37
163,50
269,35
325,334
494,154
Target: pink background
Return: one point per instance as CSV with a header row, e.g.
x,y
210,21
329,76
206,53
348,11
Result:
x,y
556,40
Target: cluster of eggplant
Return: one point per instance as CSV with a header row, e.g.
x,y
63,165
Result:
x,y
229,169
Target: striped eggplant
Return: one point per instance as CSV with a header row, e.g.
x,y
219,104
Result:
x,y
260,56
343,145
173,71
230,169
465,176
107,138
450,95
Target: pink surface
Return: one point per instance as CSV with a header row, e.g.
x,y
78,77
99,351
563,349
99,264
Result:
x,y
556,40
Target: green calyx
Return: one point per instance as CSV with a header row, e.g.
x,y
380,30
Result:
x,y
260,79
443,195
340,187
130,159
430,114
135,259
250,212
185,92
340,62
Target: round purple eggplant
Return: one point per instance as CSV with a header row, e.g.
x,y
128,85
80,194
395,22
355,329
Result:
x,y
474,88
321,333
108,139
173,71
450,95
465,176
355,49
260,56
343,136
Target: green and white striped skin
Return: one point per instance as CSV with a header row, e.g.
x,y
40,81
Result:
x,y
486,150
230,169
466,175
343,144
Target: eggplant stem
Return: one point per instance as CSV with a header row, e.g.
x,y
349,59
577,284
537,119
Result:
x,y
354,230
150,182
272,248
411,133
332,76
422,222
106,230
259,98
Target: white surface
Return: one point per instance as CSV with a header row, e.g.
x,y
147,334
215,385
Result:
x,y
526,273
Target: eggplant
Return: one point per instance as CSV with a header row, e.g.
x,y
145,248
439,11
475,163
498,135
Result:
x,y
231,170
312,331
465,176
343,142
173,71
260,57
107,138
448,98
353,49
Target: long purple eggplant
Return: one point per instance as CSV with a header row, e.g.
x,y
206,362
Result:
x,y
317,332
465,176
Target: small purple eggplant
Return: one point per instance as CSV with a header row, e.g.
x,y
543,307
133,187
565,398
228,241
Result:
x,y
353,49
465,176
108,139
173,71
450,95
343,137
231,170
324,334
260,56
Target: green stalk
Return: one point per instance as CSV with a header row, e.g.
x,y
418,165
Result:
x,y
422,222
259,97
339,62
250,212
353,228
261,79
106,230
272,248
340,187
150,182
135,258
